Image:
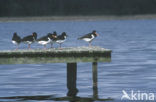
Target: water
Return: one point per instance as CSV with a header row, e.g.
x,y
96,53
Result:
x,y
132,68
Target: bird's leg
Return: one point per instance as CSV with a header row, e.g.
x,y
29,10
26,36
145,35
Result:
x,y
17,47
60,45
90,44
28,46
51,45
44,46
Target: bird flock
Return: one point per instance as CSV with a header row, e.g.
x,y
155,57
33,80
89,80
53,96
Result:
x,y
50,38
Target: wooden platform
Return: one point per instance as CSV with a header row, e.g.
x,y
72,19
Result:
x,y
71,56
55,55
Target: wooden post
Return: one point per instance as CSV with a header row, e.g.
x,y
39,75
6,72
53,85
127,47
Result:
x,y
71,79
95,80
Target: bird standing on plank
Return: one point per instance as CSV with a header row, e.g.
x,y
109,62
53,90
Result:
x,y
46,39
16,40
30,39
61,38
89,37
53,39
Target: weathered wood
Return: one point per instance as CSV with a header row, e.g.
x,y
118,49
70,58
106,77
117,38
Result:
x,y
65,52
71,79
55,55
95,80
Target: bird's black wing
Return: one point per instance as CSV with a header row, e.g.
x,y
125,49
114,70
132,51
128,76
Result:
x,y
60,37
28,38
86,36
16,38
44,38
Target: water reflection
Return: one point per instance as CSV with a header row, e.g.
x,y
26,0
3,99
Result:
x,y
71,95
52,97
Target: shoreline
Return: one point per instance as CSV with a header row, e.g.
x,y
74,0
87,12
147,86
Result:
x,y
76,18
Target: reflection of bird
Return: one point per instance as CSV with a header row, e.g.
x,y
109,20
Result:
x,y
30,39
16,39
89,37
52,40
46,39
61,38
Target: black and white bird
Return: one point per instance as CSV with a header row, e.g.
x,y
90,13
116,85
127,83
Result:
x,y
53,39
46,39
61,38
89,37
16,40
30,39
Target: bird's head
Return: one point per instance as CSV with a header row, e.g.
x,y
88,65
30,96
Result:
x,y
51,36
64,34
54,35
34,34
94,33
15,34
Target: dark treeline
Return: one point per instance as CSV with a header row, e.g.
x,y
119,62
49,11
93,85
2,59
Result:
x,y
75,7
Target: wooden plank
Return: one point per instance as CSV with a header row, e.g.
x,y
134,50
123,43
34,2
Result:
x,y
55,55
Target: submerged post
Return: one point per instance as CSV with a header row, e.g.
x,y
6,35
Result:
x,y
71,79
95,79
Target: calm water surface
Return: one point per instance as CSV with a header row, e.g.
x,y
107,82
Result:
x,y
133,65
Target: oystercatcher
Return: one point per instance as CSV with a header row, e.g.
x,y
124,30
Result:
x,y
30,39
46,39
89,37
16,40
61,38
53,39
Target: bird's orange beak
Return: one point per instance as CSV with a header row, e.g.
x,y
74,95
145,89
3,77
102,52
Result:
x,y
54,36
97,34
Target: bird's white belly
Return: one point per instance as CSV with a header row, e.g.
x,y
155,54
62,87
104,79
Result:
x,y
14,42
87,39
28,42
60,41
43,42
